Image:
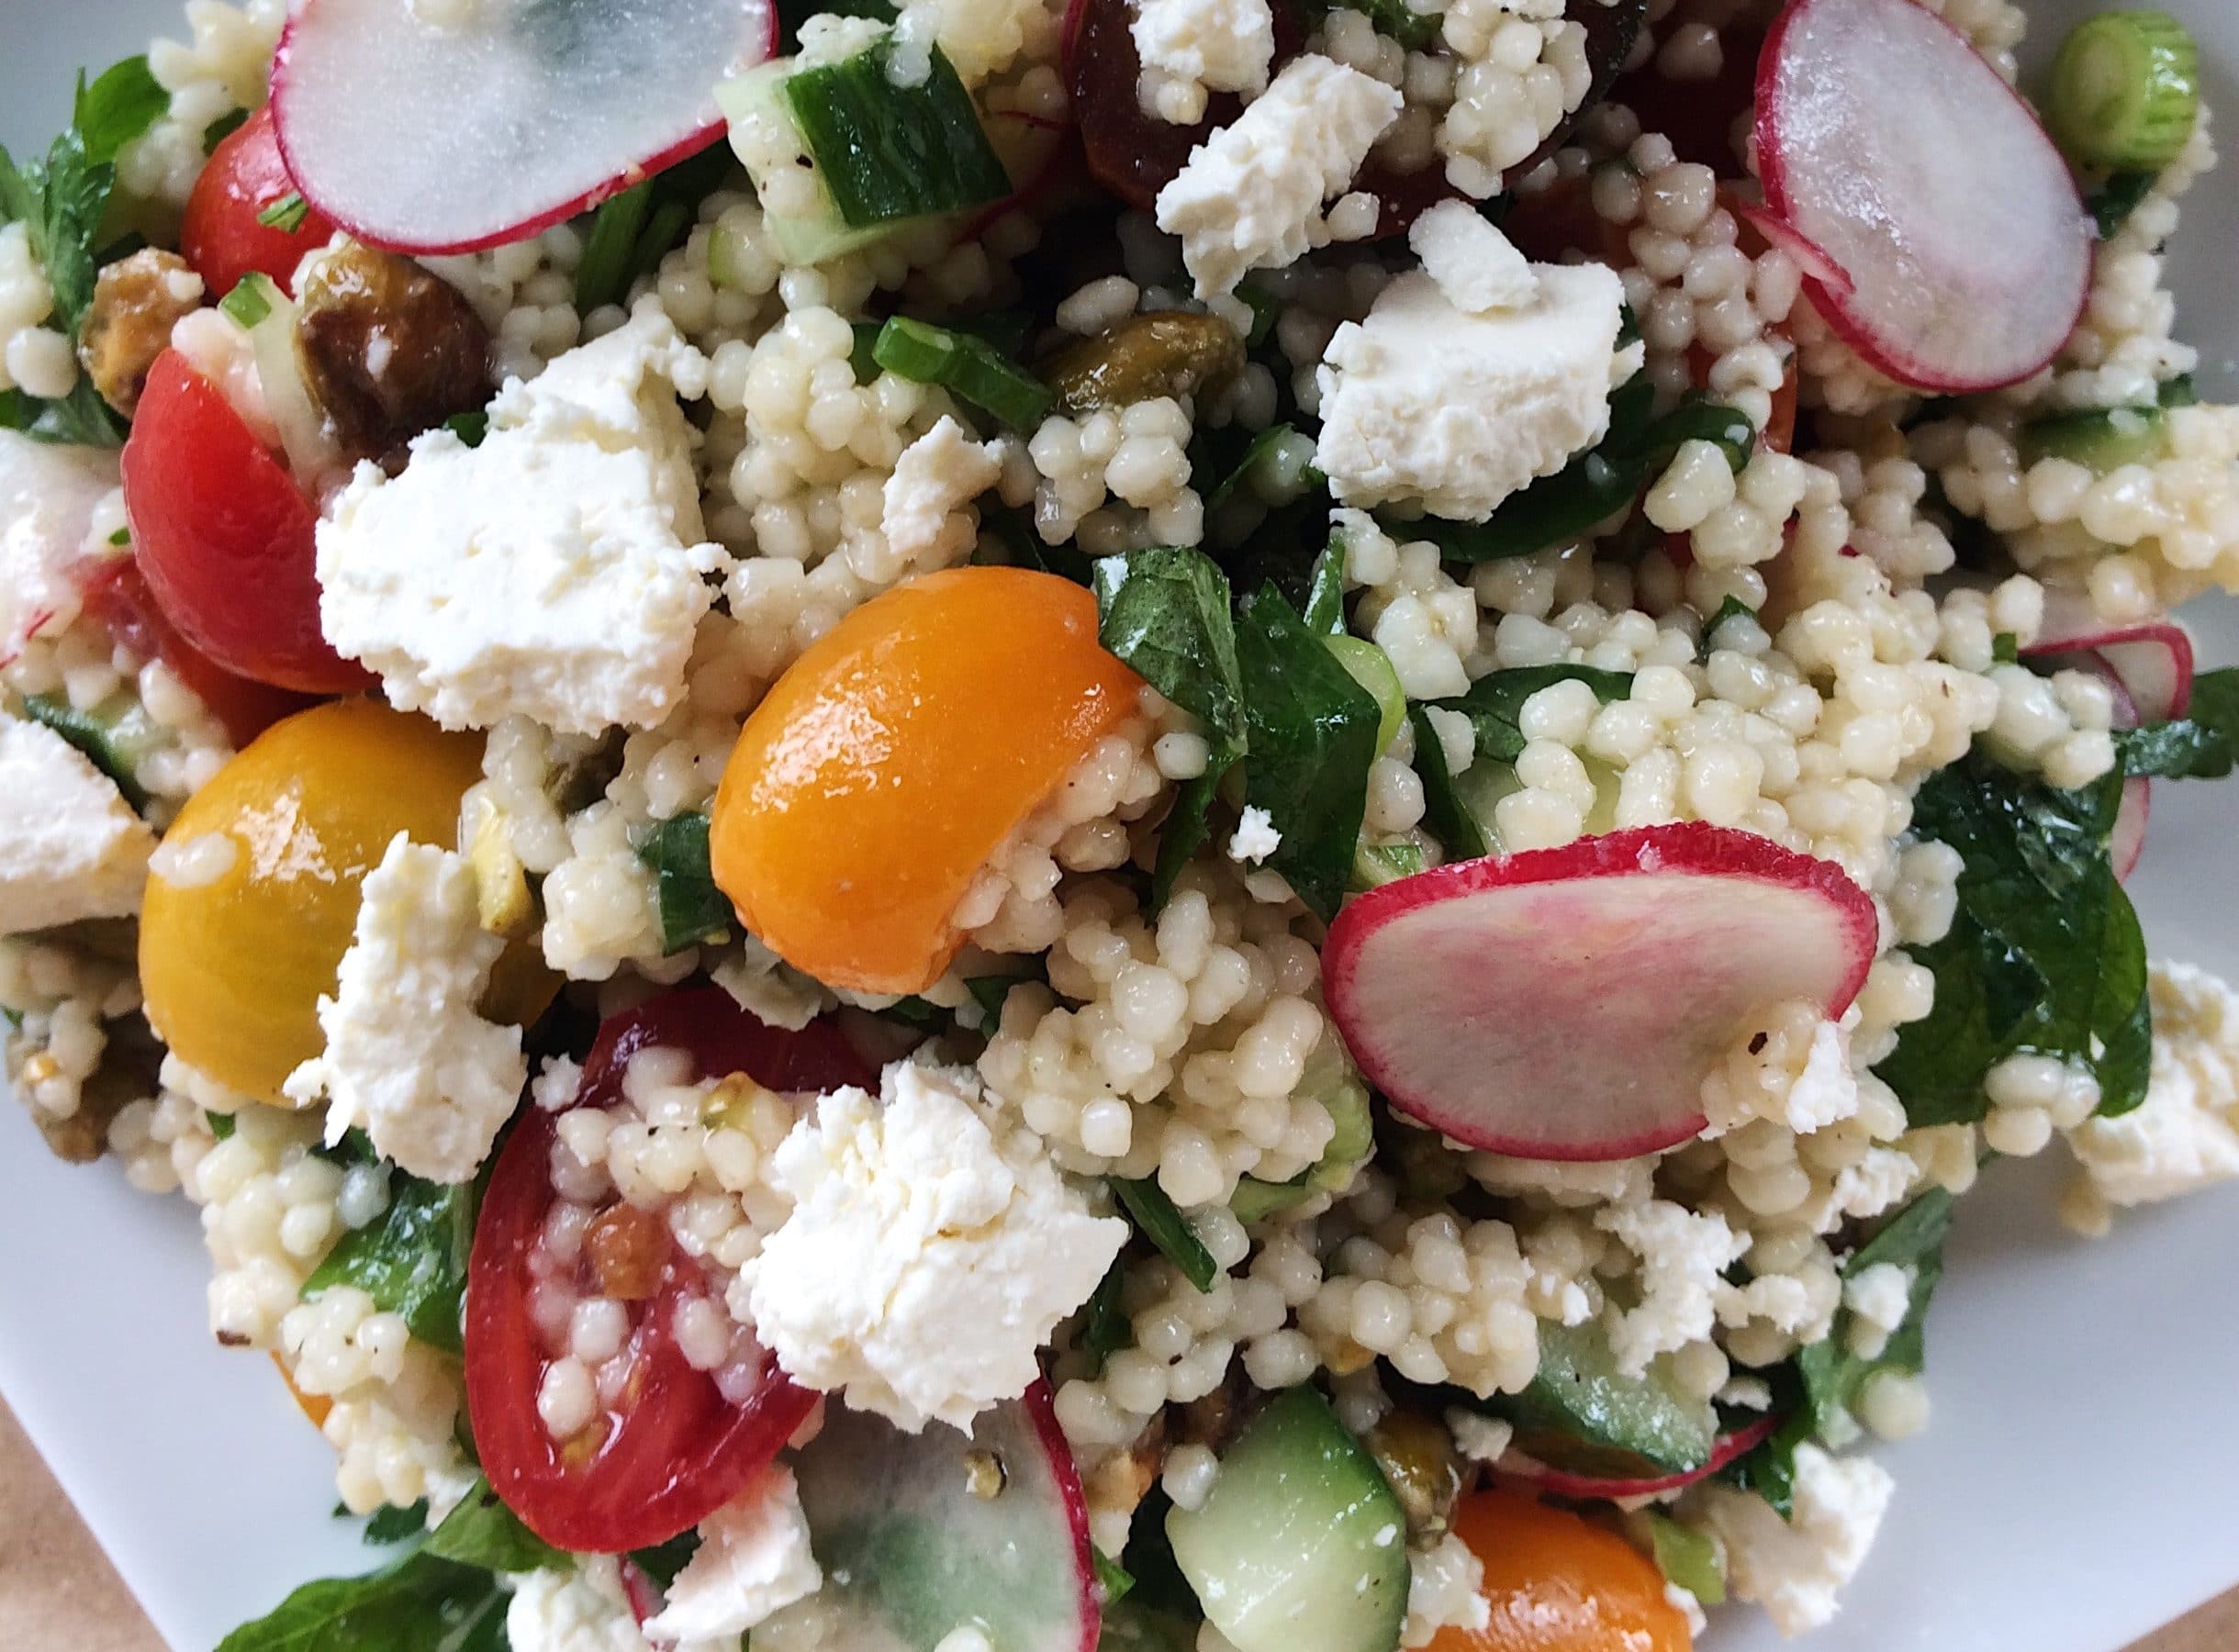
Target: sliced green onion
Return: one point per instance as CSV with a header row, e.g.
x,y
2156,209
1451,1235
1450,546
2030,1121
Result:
x,y
864,357
2126,90
967,367
1370,667
1166,1227
286,213
251,301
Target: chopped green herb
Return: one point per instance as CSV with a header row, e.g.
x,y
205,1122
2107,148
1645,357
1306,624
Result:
x,y
1325,611
992,992
115,735
1112,1579
915,1012
1158,1220
1445,815
472,428
1494,703
1733,608
251,300
887,151
482,1532
124,100
123,536
1104,1327
966,366
663,1562
223,128
286,213
221,1124
1375,865
418,1600
632,232
390,1523
693,909
1914,1240
412,1261
2006,649
864,357
2113,204
2203,744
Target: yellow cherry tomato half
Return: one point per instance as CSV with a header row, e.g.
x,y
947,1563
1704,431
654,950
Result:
x,y
1558,1583
887,766
234,954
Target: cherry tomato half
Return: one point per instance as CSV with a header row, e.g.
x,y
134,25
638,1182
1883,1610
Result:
x,y
1558,1583
119,599
672,1450
226,538
223,237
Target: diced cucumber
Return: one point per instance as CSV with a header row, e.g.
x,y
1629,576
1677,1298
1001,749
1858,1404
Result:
x,y
1331,1080
1688,1557
1376,865
2125,90
2104,440
693,909
1300,1546
1582,1415
117,735
803,223
1370,667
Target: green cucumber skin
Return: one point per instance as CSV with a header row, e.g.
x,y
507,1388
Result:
x,y
1300,1546
887,152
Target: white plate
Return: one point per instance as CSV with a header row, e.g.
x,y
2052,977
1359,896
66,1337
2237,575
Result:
x,y
2075,1492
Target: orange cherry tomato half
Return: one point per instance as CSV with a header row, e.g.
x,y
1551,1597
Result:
x,y
223,235
884,770
673,1447
225,536
1558,1583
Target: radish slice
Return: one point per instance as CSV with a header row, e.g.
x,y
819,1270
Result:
x,y
921,1532
1886,139
1730,1447
1567,1003
451,136
1812,258
2126,844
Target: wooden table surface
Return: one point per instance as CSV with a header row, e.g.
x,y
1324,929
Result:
x,y
58,1591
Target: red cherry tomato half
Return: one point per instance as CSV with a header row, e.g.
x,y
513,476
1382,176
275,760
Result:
x,y
672,1448
222,235
225,536
1700,117
119,599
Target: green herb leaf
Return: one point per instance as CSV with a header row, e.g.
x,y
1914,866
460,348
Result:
x,y
1912,1239
2006,648
221,1124
286,213
1310,739
1325,595
1733,608
418,1600
1494,703
1104,1327
472,428
632,232
2044,953
412,1261
664,1561
1688,1557
390,1523
124,101
1158,1220
2114,202
992,991
483,1532
1112,1578
223,128
1446,814
2203,744
693,909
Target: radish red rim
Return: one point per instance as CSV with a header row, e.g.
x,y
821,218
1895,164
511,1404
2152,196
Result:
x,y
1567,1003
1730,1447
1966,277
452,139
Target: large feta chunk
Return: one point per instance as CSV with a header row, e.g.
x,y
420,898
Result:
x,y
583,1608
752,1558
1191,47
2186,1133
1683,1255
1795,1567
1475,265
556,571
70,846
1250,196
1427,402
408,1056
937,476
48,492
927,1257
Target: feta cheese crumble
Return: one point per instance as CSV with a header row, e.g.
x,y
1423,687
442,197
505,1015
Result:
x,y
1191,47
557,570
1795,1567
1255,837
1683,1255
48,492
581,1610
937,476
1475,265
752,1558
408,1056
2185,1134
1426,401
70,846
927,1260
1249,197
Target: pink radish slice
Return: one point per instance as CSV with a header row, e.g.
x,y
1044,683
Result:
x,y
1567,1003
1886,139
1810,256
2153,661
918,1533
448,137
1729,1449
2126,844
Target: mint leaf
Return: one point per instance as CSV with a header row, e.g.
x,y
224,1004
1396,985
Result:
x,y
2203,744
1494,703
1446,814
223,128
390,1524
1325,612
124,101
412,1261
1913,1238
482,1532
418,1600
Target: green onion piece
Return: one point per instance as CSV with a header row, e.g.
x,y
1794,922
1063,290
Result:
x,y
967,367
2006,649
2125,91
251,301
693,909
602,275
286,213
123,536
864,358
1112,1578
221,1124
470,427
223,128
1166,1227
1370,667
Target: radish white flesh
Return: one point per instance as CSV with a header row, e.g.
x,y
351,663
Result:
x,y
1811,257
1886,140
1563,1483
449,137
920,1533
1567,1003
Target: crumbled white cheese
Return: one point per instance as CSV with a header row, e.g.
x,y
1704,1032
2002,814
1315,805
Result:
x,y
1255,837
1795,1567
937,476
48,492
1475,265
2186,1133
1445,1585
1250,196
1478,1437
1878,1297
1424,401
926,1258
582,1609
408,1056
70,846
752,1558
1826,1091
1682,1257
1190,47
557,570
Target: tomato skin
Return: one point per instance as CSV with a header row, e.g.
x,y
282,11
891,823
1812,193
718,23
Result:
x,y
675,1450
220,236
119,599
1558,1583
225,536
